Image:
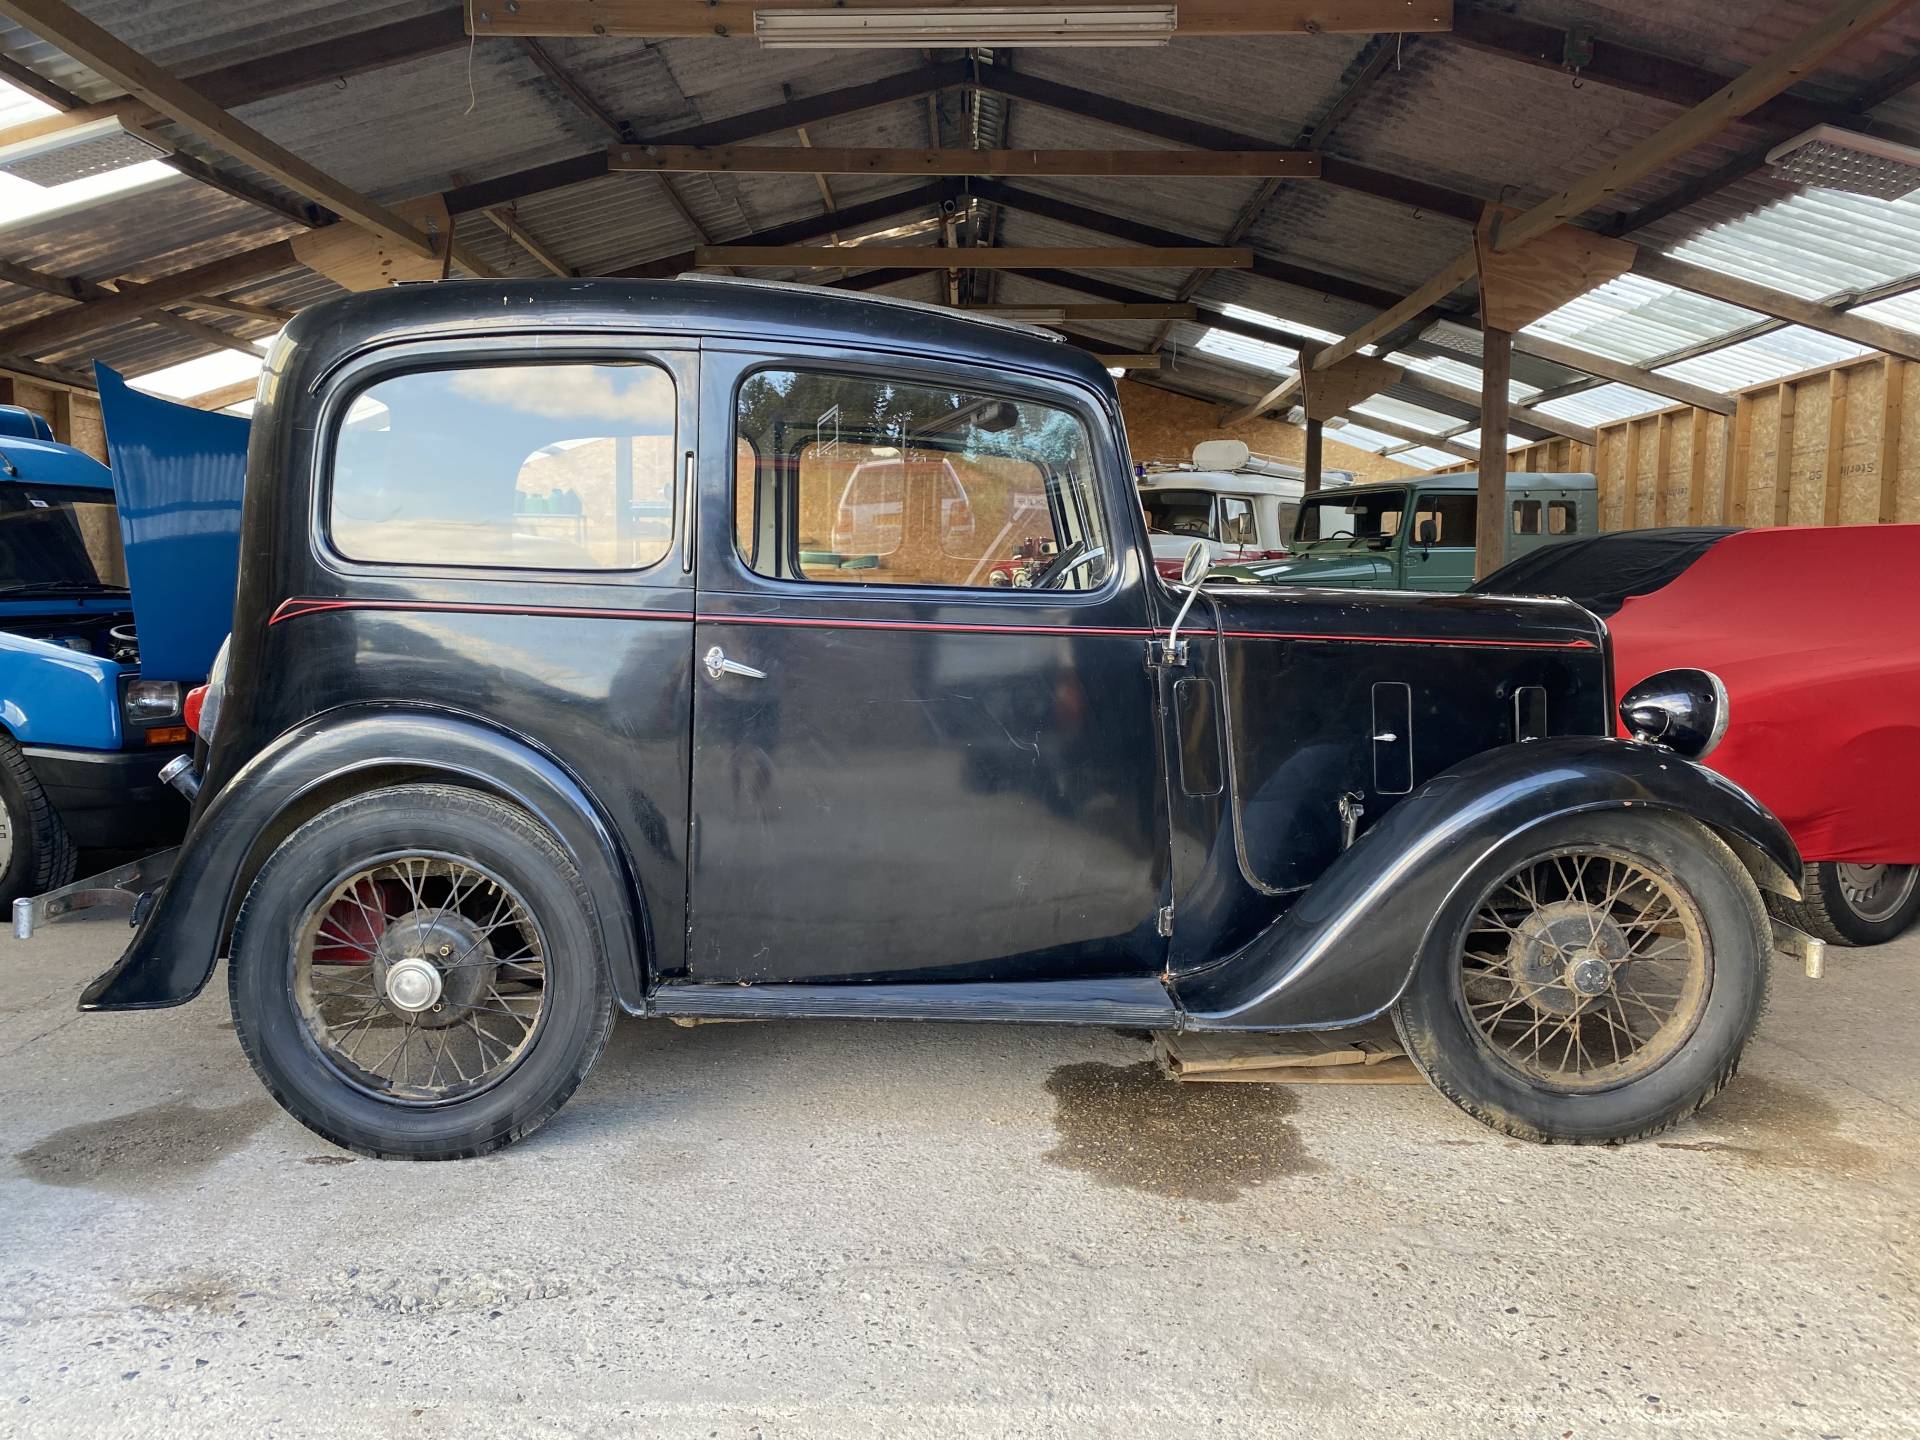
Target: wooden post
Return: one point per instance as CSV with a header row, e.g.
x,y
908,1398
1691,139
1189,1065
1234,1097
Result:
x,y
1316,451
1890,441
1783,457
1490,544
1831,481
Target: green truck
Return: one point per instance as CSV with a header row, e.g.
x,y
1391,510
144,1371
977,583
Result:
x,y
1361,535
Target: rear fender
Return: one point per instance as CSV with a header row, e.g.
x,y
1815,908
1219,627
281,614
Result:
x,y
342,753
1347,948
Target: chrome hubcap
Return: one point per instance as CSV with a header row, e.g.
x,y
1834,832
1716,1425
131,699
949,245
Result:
x,y
413,985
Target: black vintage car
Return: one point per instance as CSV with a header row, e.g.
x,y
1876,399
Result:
x,y
607,645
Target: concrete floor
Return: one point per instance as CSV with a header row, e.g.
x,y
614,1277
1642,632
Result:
x,y
849,1230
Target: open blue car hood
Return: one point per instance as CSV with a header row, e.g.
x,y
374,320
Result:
x,y
177,477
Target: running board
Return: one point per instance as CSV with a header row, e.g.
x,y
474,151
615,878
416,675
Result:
x,y
1139,1001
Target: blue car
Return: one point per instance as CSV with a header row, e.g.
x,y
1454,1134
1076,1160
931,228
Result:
x,y
87,721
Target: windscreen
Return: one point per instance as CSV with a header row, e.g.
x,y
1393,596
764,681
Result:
x,y
1352,517
1179,512
55,538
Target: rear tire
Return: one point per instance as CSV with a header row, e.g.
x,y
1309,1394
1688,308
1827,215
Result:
x,y
1853,904
40,855
288,968
1569,968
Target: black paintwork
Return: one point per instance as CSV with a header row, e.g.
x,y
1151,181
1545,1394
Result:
x,y
970,804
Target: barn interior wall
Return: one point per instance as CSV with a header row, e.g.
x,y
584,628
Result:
x,y
1163,427
1829,447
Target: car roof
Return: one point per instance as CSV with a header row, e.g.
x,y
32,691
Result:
x,y
44,462
1516,480
715,307
1233,482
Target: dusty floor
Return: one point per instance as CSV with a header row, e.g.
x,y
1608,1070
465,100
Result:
x,y
849,1230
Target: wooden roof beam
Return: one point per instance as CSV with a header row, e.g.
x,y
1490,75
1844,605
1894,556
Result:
x,y
1440,441
734,19
933,257
59,24
1778,304
844,160
1737,98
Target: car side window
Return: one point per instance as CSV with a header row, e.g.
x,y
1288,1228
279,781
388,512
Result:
x,y
1561,517
1453,518
1236,520
525,466
1526,517
871,481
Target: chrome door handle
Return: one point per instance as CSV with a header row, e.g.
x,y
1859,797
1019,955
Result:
x,y
718,665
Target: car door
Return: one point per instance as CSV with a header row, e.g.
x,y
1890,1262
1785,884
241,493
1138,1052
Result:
x,y
903,769
1447,563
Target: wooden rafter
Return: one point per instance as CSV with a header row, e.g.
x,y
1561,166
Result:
x,y
929,257
61,25
1067,314
734,19
845,160
1411,435
1733,100
1778,305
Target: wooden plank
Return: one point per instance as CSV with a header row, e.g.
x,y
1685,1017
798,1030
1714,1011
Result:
x,y
1463,269
226,395
1630,479
1890,426
1662,465
1279,397
857,160
510,227
1697,469
1792,62
1337,390
244,309
1778,304
62,418
129,112
1783,458
357,259
1127,361
733,19
934,257
1518,286
1830,483
60,24
1413,436
1490,530
1639,378
205,334
1734,510
1526,415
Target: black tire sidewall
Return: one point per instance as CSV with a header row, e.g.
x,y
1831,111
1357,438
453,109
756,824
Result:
x,y
1839,913
42,855
577,1006
1447,1048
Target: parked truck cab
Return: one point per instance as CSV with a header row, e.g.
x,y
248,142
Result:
x,y
550,693
1417,534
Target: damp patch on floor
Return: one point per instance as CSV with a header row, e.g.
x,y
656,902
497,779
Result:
x,y
1130,1126
143,1149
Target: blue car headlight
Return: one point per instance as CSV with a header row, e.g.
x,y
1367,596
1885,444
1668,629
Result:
x,y
1684,711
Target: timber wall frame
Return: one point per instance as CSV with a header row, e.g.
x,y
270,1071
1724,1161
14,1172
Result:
x,y
1825,447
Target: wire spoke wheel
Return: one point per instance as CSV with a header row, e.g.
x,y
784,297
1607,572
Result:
x,y
421,978
1585,969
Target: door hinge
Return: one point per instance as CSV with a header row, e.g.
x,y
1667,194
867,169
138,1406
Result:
x,y
1163,922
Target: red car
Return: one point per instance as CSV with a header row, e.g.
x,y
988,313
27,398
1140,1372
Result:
x,y
1815,633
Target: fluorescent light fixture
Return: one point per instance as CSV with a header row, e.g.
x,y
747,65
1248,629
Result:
x,y
77,153
1836,159
917,26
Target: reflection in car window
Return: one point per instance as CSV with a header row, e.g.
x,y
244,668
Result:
x,y
865,481
563,467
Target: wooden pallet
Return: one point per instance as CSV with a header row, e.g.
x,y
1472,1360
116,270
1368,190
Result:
x,y
1365,1055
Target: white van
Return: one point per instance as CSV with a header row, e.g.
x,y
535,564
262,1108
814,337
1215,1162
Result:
x,y
1242,504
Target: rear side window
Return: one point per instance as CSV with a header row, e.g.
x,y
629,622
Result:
x,y
865,481
539,467
1560,517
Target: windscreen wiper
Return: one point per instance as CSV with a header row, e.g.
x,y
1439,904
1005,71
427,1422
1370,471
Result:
x,y
63,587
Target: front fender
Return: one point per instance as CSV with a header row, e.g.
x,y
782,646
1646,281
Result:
x,y
1346,949
173,952
50,695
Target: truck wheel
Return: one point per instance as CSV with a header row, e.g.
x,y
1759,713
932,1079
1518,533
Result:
x,y
1853,904
1597,984
416,974
36,853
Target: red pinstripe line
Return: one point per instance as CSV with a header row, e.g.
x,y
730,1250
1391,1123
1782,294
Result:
x,y
292,609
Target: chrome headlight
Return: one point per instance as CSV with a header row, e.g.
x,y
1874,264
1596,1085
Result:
x,y
149,700
1684,711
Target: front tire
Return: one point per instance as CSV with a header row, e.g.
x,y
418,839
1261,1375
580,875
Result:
x,y
1854,904
416,974
36,853
1597,982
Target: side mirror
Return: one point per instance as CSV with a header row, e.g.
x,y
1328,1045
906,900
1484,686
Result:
x,y
1193,570
1427,534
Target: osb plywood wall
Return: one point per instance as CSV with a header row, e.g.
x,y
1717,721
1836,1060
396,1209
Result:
x,y
1163,426
74,414
1830,447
